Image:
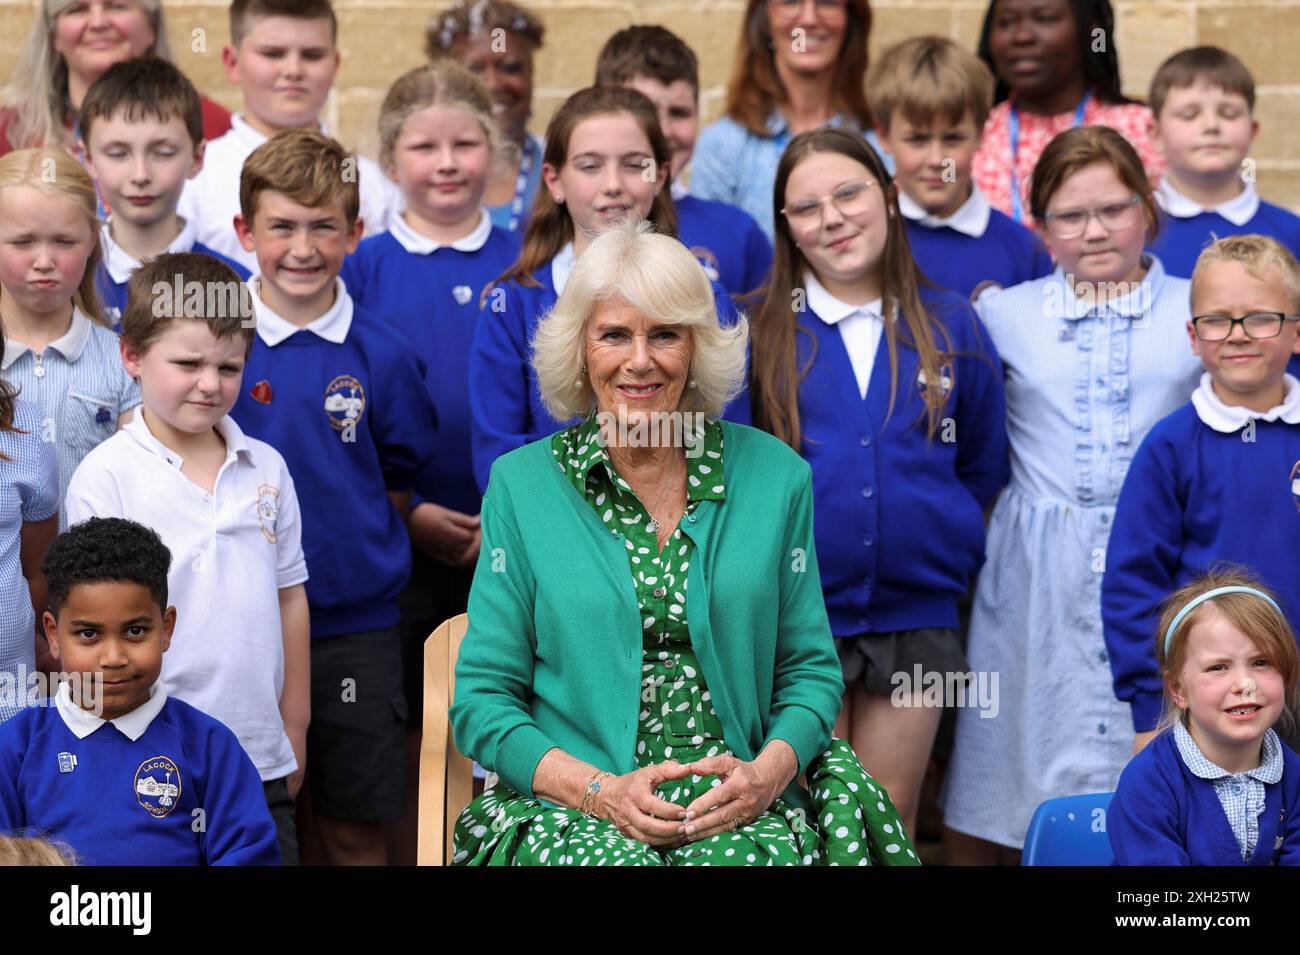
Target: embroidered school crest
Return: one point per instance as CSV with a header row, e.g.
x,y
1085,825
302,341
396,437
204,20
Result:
x,y
261,392
462,294
708,260
268,509
1295,484
945,379
158,786
345,402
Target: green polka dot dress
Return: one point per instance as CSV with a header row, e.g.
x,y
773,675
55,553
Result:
x,y
854,822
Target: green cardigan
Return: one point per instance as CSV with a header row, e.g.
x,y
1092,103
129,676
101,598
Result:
x,y
552,657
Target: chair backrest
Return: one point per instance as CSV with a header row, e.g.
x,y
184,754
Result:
x,y
1069,831
446,777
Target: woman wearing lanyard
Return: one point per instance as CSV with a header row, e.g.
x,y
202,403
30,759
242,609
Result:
x,y
800,64
496,40
1057,68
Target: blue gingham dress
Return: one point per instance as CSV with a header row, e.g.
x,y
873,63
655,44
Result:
x,y
1084,386
29,491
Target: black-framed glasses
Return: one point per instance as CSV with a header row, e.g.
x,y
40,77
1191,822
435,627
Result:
x,y
1218,328
1072,223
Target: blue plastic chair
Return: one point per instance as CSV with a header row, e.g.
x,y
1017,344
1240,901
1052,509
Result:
x,y
1069,831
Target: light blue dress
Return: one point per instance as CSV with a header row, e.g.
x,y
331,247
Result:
x,y
735,166
29,492
1084,386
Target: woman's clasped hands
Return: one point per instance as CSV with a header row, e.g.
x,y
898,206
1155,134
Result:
x,y
745,792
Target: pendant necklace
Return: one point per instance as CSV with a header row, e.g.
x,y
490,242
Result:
x,y
654,525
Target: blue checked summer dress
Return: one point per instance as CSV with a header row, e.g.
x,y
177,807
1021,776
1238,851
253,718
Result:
x,y
1084,386
855,822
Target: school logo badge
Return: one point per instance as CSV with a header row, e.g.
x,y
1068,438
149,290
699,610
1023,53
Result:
x,y
268,509
708,260
345,402
1295,484
945,379
158,786
462,294
261,392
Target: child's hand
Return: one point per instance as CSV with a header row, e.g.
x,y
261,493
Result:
x,y
298,740
444,534
469,556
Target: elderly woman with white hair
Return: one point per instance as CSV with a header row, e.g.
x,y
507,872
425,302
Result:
x,y
70,45
649,668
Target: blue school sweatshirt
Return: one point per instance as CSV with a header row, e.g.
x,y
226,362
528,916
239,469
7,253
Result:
x,y
353,420
1192,497
111,798
899,518
1181,240
730,245
1006,254
1164,814
112,293
504,398
432,301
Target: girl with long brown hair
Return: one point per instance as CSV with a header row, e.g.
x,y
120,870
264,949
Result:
x,y
892,390
800,65
606,160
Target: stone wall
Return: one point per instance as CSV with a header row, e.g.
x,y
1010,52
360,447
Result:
x,y
379,39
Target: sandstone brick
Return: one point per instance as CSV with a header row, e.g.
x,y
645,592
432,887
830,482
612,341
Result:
x,y
889,25
1279,184
1263,36
1278,113
574,36
379,44
1146,34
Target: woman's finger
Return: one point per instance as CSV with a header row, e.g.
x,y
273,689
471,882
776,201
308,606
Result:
x,y
719,821
655,805
716,796
714,766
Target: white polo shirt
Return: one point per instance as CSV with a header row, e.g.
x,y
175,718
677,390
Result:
x,y
232,553
211,199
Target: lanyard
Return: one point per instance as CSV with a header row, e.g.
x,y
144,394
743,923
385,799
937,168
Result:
x,y
1013,124
526,162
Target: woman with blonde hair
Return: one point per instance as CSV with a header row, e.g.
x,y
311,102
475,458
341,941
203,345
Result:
x,y
70,45
630,723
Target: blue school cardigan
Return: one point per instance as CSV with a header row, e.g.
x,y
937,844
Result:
x,y
1164,814
1194,496
900,516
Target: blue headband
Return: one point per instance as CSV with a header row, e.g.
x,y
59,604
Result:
x,y
1169,634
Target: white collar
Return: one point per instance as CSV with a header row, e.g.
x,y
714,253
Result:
x,y
1225,418
971,218
132,725
332,326
1238,210
70,345
561,266
230,432
832,310
418,244
119,262
252,137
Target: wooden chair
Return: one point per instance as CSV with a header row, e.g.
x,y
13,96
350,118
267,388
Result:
x,y
446,777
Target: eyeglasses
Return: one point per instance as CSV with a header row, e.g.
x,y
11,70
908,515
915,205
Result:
x,y
1072,223
850,198
1218,328
788,9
